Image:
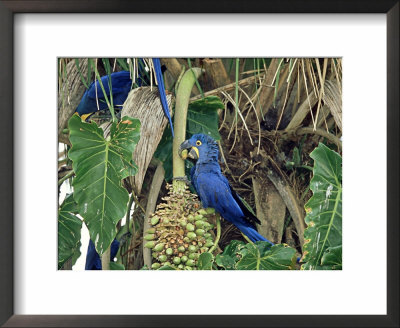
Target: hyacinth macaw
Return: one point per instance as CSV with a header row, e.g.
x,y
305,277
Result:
x,y
213,187
93,99
93,261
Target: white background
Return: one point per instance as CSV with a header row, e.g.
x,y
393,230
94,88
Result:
x,y
359,289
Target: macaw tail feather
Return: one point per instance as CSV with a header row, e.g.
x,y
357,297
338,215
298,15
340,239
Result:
x,y
161,89
252,234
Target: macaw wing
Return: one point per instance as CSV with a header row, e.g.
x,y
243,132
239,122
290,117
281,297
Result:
x,y
248,213
119,81
214,192
244,207
192,178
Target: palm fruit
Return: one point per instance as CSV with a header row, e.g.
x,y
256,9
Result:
x,y
200,232
154,220
151,231
181,230
149,237
190,263
159,247
150,244
190,227
155,265
191,235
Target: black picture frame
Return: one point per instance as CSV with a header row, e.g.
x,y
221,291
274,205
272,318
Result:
x,y
7,197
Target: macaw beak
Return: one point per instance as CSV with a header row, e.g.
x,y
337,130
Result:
x,y
187,150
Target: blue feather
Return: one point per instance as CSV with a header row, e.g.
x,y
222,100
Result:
x,y
121,85
93,261
161,89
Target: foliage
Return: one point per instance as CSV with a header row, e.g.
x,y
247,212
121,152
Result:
x,y
323,236
100,164
205,261
292,96
116,266
69,232
202,117
230,255
260,255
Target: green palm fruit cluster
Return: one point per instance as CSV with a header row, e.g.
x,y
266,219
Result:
x,y
181,231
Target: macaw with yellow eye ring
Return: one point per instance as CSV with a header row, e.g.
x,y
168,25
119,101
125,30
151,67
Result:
x,y
213,187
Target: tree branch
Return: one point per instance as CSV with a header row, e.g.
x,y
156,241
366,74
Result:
x,y
155,187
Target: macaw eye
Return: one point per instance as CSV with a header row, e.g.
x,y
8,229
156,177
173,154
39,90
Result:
x,y
198,143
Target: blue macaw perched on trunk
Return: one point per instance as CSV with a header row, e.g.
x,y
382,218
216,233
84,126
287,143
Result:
x,y
214,189
93,99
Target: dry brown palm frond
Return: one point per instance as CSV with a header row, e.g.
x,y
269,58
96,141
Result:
x,y
333,99
70,94
322,83
305,83
144,104
258,120
311,75
302,111
337,75
240,115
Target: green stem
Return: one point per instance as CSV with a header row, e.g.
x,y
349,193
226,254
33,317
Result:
x,y
182,101
247,238
218,235
66,177
105,259
197,82
236,90
110,107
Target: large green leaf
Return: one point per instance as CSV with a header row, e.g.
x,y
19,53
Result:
x,y
69,232
261,256
332,258
202,117
164,152
225,261
100,164
205,261
116,266
230,255
324,212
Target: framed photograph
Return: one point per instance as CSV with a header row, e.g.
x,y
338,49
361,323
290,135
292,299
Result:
x,y
198,161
